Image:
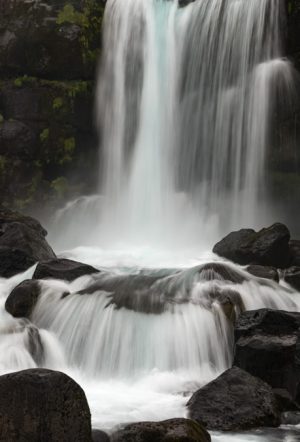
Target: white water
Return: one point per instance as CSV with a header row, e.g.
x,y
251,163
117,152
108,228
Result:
x,y
132,365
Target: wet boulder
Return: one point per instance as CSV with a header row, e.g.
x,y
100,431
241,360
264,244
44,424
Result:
x,y
23,298
268,247
265,272
267,345
220,271
43,405
235,401
172,430
64,269
14,261
292,277
22,239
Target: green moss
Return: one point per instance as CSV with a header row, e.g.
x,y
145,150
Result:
x,y
1,118
44,135
60,185
57,103
69,15
18,82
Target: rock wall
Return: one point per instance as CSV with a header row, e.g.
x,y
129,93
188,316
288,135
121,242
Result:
x,y
48,57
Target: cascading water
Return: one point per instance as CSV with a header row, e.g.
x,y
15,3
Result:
x,y
185,102
184,106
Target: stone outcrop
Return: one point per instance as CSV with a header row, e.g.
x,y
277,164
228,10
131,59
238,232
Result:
x,y
267,345
48,57
235,401
268,247
171,430
64,269
22,243
22,299
43,405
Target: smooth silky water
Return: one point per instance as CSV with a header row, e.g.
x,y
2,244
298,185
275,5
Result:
x,y
185,100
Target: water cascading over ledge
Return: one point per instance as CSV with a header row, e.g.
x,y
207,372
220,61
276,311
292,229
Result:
x,y
185,106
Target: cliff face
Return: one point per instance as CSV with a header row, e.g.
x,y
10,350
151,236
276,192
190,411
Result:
x,y
48,56
48,59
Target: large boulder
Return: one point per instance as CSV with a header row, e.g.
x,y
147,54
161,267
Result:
x,y
43,405
269,246
23,298
21,238
172,430
267,345
64,269
295,252
235,401
292,277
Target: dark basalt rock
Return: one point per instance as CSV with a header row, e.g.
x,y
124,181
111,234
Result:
x,y
214,271
295,252
64,269
265,272
43,405
23,298
268,346
269,246
235,401
292,277
14,261
100,436
22,243
172,430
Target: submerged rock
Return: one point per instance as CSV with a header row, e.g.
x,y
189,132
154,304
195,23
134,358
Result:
x,y
235,401
22,243
219,271
269,246
64,269
268,346
292,277
43,405
23,298
265,272
172,430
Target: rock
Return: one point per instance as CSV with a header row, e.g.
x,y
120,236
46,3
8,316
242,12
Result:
x,y
14,261
64,269
292,277
23,298
99,436
172,430
269,246
43,405
268,346
265,272
290,418
295,252
285,400
22,243
17,139
230,301
235,401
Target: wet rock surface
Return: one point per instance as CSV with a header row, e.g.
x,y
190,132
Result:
x,y
235,401
64,269
43,405
172,430
264,272
268,247
267,345
292,277
22,243
23,298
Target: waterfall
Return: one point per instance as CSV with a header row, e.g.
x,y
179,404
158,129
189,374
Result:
x,y
185,102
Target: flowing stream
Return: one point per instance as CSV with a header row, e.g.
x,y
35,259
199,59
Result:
x,y
185,101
